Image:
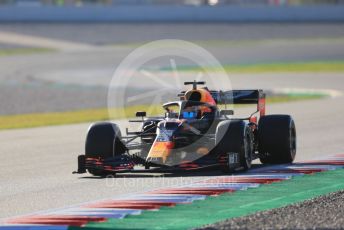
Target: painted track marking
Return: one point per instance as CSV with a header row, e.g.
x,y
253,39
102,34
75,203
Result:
x,y
169,197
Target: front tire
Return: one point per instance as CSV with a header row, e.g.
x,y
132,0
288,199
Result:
x,y
277,139
235,137
103,141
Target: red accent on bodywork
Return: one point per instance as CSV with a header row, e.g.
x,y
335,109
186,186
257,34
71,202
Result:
x,y
205,96
261,106
99,163
188,165
161,149
169,145
253,119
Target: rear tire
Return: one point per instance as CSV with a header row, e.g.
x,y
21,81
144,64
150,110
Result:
x,y
235,137
277,139
103,140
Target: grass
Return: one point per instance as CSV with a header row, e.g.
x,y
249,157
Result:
x,y
102,114
316,66
311,66
23,51
71,117
245,42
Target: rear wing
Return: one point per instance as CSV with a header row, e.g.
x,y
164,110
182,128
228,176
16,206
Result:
x,y
256,96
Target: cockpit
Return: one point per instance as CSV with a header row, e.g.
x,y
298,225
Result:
x,y
189,110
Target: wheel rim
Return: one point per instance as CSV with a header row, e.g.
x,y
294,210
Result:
x,y
247,149
292,141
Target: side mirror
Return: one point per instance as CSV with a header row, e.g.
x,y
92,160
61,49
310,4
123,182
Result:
x,y
140,114
226,112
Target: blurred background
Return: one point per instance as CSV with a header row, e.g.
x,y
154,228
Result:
x,y
167,2
57,57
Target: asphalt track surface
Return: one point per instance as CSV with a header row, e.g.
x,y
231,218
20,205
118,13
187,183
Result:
x,y
36,174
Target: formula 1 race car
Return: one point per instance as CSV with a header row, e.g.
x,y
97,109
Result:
x,y
194,133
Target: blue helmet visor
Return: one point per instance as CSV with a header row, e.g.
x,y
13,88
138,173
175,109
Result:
x,y
188,115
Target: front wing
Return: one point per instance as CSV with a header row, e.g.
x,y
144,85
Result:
x,y
127,163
